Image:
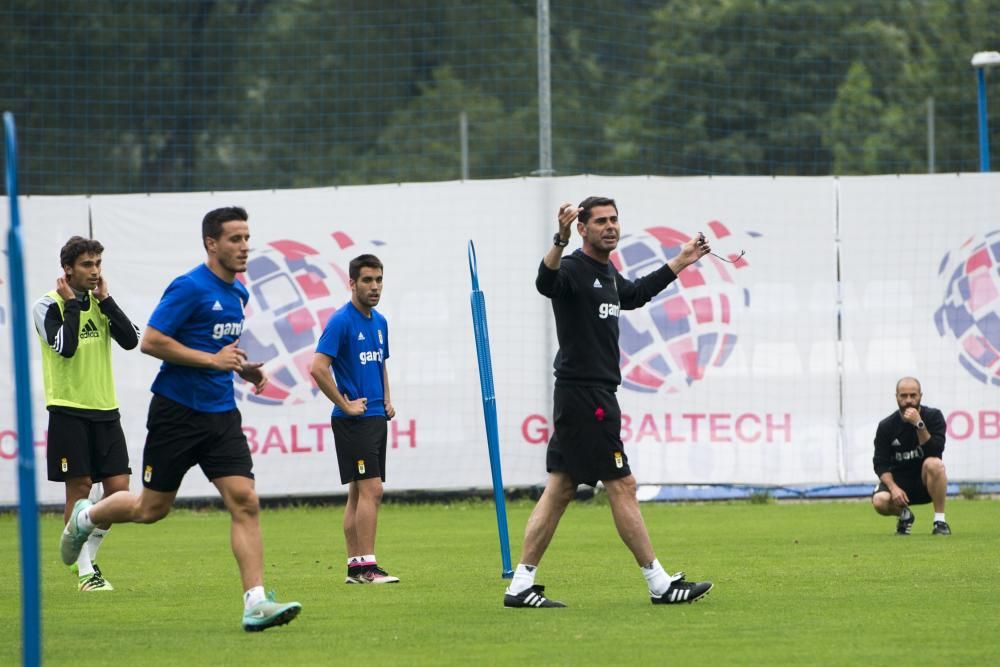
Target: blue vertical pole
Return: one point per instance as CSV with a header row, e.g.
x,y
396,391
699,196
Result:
x,y
984,132
482,335
31,626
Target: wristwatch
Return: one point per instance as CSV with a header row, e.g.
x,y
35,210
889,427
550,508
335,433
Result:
x,y
920,425
558,240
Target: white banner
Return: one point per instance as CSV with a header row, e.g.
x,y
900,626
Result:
x,y
921,287
772,370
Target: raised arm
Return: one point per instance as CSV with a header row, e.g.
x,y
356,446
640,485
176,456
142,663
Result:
x,y
60,329
549,282
634,294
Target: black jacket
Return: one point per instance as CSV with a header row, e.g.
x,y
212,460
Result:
x,y
587,297
896,444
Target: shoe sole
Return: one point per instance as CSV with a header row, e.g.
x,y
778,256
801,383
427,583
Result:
x,y
283,618
703,595
349,580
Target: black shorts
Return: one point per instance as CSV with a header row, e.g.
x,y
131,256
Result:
x,y
911,482
79,447
586,442
360,447
179,437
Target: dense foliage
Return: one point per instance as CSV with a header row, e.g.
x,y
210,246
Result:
x,y
164,95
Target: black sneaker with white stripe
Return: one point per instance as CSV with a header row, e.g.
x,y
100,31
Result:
x,y
531,597
905,523
681,591
940,528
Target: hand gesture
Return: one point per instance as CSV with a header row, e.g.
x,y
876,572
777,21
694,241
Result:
x,y
390,411
911,416
101,291
229,358
356,408
65,291
253,371
567,214
696,248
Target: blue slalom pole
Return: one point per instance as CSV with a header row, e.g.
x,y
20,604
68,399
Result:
x,y
31,623
489,410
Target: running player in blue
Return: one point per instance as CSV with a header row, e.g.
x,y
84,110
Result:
x,y
355,346
193,417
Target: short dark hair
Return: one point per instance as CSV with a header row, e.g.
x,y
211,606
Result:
x,y
360,262
76,246
211,224
591,202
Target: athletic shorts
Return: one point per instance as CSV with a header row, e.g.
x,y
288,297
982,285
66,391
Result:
x,y
79,447
586,442
360,445
910,482
178,438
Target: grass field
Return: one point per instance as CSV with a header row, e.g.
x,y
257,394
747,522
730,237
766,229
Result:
x,y
818,583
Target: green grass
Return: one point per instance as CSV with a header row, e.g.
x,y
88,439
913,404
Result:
x,y
798,584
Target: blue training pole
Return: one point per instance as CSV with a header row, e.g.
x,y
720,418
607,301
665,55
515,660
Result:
x,y
489,410
31,624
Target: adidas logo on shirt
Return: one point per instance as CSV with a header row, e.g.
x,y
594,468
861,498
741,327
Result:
x,y
89,330
217,306
597,283
361,336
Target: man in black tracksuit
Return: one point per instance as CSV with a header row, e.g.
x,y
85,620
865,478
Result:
x,y
587,296
909,445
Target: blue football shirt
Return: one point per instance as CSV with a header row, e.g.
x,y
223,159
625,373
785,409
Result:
x,y
359,346
201,311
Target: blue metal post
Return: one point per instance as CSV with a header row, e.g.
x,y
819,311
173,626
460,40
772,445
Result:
x,y
482,336
984,132
31,606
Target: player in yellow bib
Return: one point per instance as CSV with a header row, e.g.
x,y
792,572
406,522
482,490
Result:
x,y
75,325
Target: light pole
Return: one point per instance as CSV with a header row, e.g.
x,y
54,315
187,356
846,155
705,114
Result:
x,y
981,62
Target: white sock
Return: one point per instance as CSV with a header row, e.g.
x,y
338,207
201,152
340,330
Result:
x,y
353,560
369,559
84,565
656,578
939,516
253,596
524,578
83,521
94,541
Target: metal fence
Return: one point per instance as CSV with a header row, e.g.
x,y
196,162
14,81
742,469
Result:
x,y
183,95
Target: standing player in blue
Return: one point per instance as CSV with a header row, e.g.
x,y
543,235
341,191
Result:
x,y
75,325
587,295
193,419
355,346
